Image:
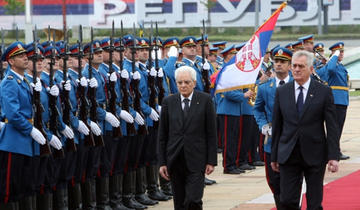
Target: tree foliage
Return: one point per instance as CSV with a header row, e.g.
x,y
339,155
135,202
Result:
x,y
14,7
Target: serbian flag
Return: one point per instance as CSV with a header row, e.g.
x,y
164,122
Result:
x,y
242,70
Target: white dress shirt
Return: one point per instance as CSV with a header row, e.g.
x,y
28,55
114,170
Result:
x,y
286,80
182,100
305,89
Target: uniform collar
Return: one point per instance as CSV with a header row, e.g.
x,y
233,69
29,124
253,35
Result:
x,y
18,75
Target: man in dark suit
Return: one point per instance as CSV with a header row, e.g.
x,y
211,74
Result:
x,y
301,147
187,135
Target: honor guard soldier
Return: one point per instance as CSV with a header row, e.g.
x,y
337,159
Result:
x,y
272,50
263,109
136,142
171,46
17,133
188,46
228,53
212,59
289,47
298,45
320,62
83,130
221,45
338,82
239,46
308,42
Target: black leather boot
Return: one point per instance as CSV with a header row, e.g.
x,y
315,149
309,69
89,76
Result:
x,y
44,201
26,203
88,194
10,206
140,196
129,191
115,189
74,196
152,173
102,193
60,198
165,186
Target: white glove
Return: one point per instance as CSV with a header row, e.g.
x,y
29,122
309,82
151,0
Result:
x,y
153,72
158,54
337,52
95,128
136,76
206,66
126,116
124,74
37,86
37,136
264,129
67,132
110,118
154,115
83,82
138,119
173,52
270,131
82,128
54,90
93,83
160,72
2,124
159,109
113,77
55,142
67,85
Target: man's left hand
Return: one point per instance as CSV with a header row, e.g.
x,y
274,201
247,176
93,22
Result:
x,y
333,166
209,169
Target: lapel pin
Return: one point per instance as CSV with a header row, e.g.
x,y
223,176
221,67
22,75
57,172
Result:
x,y
197,103
311,95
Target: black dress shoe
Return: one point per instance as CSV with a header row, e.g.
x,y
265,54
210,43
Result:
x,y
158,196
145,200
209,181
246,167
258,163
234,171
343,157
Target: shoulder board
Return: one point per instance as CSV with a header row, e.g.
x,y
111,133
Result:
x,y
10,77
265,81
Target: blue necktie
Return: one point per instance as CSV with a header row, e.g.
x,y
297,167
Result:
x,y
300,100
186,107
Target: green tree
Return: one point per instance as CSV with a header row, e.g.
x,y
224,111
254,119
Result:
x,y
14,7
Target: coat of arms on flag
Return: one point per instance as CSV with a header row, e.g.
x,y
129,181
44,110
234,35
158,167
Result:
x,y
242,70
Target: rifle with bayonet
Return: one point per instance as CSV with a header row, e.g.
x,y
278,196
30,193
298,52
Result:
x,y
204,73
159,81
1,52
130,127
112,97
54,111
84,103
37,106
70,143
99,141
151,79
142,130
17,33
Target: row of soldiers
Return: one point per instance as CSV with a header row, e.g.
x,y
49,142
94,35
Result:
x,y
79,123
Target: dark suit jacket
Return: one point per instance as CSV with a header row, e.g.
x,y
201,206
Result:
x,y
196,135
316,145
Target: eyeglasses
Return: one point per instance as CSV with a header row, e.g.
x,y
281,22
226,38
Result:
x,y
186,82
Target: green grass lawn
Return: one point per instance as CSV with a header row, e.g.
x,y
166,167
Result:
x,y
354,93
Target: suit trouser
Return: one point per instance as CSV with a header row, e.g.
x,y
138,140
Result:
x,y
121,155
272,177
340,119
150,149
13,168
248,128
188,186
292,173
230,129
108,153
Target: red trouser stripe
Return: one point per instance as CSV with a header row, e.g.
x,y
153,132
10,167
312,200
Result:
x,y
261,148
225,141
8,174
239,140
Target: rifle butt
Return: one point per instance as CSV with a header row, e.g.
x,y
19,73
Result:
x,y
45,150
89,140
130,128
58,154
99,141
70,145
117,132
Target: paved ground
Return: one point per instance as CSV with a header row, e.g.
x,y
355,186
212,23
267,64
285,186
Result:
x,y
250,190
